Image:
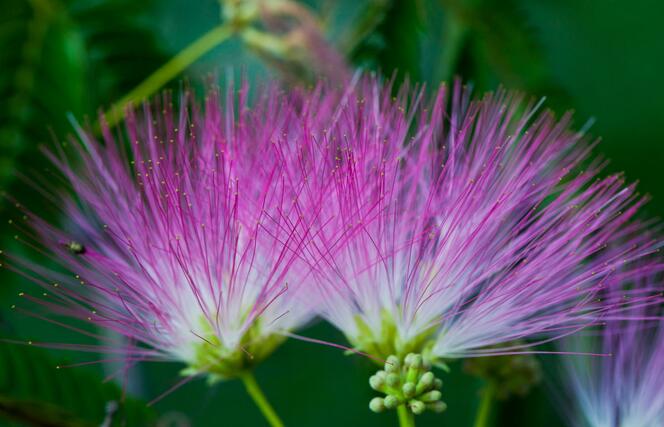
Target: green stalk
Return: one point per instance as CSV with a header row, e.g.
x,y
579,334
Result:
x,y
261,401
406,418
169,70
482,418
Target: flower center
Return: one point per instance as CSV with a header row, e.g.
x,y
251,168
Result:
x,y
221,362
389,340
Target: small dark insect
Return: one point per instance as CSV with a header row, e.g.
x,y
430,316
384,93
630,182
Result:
x,y
75,247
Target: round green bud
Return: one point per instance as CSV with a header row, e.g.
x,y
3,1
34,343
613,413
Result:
x,y
392,364
377,405
438,383
416,361
417,406
426,381
432,396
377,382
438,406
391,401
408,390
408,360
392,380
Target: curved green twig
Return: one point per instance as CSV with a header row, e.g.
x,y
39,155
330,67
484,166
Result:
x,y
261,401
168,71
482,418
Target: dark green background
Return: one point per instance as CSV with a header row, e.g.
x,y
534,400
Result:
x,y
602,58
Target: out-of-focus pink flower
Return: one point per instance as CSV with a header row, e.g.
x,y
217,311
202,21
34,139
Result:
x,y
625,387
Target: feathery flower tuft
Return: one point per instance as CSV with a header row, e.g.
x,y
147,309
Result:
x,y
178,239
453,226
445,228
626,387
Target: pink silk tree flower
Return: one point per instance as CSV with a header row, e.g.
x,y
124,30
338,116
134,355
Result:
x,y
176,240
423,230
625,387
455,226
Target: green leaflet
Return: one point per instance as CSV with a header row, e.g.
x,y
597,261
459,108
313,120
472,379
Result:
x,y
29,412
387,38
70,56
36,393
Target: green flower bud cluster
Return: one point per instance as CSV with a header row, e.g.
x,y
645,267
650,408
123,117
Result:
x,y
410,383
512,374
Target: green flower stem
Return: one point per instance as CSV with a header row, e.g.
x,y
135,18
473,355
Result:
x,y
406,418
482,418
261,401
169,70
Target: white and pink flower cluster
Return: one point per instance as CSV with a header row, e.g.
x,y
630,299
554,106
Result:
x,y
446,227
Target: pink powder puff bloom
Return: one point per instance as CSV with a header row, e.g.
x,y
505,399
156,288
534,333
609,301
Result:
x,y
454,226
176,240
625,388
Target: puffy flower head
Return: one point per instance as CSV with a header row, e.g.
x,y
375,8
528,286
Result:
x,y
177,239
625,387
456,225
447,227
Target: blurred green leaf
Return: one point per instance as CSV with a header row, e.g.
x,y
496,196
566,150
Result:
x,y
372,15
386,37
34,391
69,56
60,57
487,42
38,414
